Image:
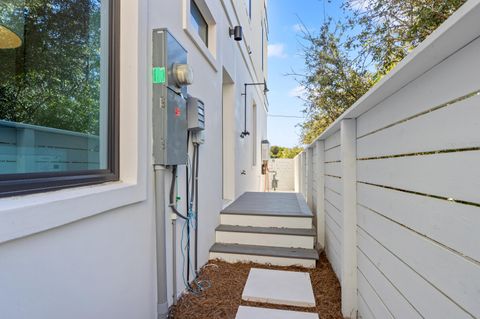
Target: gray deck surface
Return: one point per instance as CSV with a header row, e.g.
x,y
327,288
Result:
x,y
269,204
300,253
267,230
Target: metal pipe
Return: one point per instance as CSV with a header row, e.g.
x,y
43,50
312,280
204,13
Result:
x,y
188,211
174,256
245,85
197,158
160,216
245,132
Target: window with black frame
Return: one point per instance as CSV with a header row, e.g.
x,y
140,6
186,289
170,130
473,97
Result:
x,y
58,94
198,22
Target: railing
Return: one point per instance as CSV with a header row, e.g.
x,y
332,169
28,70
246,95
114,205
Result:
x,y
28,148
395,184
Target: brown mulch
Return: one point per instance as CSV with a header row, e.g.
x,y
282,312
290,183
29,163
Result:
x,y
222,299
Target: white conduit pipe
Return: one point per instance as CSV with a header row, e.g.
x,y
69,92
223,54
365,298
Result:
x,y
160,217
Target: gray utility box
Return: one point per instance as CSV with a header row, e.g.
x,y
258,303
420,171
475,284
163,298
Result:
x,y
196,114
169,101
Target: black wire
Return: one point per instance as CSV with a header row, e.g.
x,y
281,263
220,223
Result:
x,y
188,212
172,194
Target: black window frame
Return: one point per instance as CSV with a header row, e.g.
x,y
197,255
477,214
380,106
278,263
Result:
x,y
194,7
29,183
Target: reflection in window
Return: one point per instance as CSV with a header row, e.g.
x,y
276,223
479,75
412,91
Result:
x,y
198,22
53,85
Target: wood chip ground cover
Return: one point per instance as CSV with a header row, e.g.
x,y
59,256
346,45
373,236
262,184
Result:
x,y
222,299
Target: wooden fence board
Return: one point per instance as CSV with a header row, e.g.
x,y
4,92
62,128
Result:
x,y
389,294
451,79
451,224
428,300
451,175
453,127
449,272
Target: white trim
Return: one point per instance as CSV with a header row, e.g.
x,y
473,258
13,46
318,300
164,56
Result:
x,y
349,280
265,239
243,48
278,261
320,178
210,52
26,215
261,221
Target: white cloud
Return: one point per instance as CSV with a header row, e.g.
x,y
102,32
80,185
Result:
x,y
297,91
277,50
360,5
298,27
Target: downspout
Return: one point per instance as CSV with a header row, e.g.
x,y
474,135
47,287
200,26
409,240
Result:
x,y
160,216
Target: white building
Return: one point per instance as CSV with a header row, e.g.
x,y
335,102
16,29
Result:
x,y
72,250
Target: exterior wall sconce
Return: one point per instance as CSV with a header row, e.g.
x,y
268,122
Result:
x,y
236,32
265,91
11,25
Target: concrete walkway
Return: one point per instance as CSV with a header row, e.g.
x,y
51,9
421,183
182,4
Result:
x,y
286,288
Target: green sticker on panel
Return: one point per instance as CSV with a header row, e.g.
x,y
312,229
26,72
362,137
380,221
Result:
x,y
159,75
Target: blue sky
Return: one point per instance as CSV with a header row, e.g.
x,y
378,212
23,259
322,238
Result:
x,y
285,55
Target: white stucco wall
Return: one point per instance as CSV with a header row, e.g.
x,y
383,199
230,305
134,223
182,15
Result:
x,y
90,252
284,167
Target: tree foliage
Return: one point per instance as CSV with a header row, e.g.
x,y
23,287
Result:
x,y
284,152
53,79
345,59
334,80
392,28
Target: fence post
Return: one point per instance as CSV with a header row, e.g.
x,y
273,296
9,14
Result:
x,y
296,173
349,177
26,150
309,170
302,174
320,178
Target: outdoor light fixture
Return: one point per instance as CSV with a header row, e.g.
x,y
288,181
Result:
x,y
11,24
236,32
265,91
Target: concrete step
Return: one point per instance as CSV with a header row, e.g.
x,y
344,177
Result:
x,y
257,220
279,256
269,204
245,312
266,236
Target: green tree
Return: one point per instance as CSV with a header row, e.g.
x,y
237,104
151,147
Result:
x,y
344,60
284,152
333,81
53,79
390,29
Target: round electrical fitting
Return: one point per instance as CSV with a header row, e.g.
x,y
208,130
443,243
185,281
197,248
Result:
x,y
182,74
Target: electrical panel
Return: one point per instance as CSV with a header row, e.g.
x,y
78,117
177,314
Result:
x,y
265,150
195,114
170,76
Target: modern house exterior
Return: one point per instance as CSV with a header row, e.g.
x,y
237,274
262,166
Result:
x,y
80,206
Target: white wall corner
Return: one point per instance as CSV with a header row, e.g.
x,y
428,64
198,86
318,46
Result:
x,y
309,177
349,247
320,194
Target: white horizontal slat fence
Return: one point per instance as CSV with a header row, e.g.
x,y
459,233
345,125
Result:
x,y
415,200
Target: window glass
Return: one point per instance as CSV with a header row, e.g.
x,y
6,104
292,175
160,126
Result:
x,y
54,85
198,22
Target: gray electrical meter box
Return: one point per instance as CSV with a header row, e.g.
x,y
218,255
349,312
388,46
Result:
x,y
170,76
195,114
